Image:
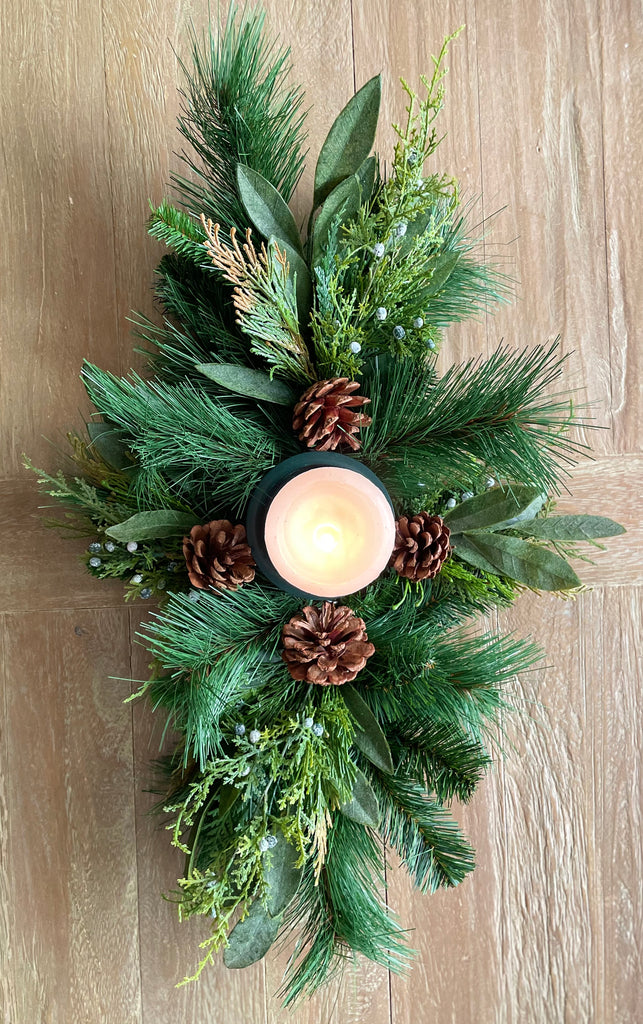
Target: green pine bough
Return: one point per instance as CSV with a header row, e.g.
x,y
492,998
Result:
x,y
285,796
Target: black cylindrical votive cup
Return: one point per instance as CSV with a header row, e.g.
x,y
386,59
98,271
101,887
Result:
x,y
266,490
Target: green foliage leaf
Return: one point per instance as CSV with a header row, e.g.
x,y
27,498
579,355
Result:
x,y
266,208
108,441
251,938
303,282
244,380
369,737
362,807
365,175
444,267
534,566
571,528
282,876
343,202
495,509
151,526
349,140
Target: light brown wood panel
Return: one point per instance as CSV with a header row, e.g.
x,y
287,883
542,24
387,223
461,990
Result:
x,y
621,24
68,850
612,671
140,42
540,122
58,259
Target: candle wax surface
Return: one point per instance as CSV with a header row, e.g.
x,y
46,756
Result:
x,y
329,531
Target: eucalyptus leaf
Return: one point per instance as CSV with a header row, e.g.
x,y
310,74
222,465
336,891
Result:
x,y
244,380
282,875
468,549
152,526
251,938
571,528
267,210
303,283
414,228
362,807
369,737
365,175
535,566
442,271
109,442
495,509
343,202
349,140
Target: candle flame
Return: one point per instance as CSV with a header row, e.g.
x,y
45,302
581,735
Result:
x,y
326,537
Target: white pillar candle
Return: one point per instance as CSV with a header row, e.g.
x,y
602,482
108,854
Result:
x,y
329,531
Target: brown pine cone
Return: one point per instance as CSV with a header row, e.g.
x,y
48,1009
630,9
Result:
x,y
421,546
326,645
327,415
218,557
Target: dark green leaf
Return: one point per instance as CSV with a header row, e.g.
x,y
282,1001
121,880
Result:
x,y
244,380
442,271
365,175
369,737
251,938
109,442
266,208
467,549
303,283
152,526
571,528
495,509
534,566
362,807
282,876
344,203
349,140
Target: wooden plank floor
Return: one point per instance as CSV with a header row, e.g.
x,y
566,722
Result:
x,y
544,118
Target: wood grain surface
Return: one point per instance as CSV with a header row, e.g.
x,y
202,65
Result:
x,y
544,129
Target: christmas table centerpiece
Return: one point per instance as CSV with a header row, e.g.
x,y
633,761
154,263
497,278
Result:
x,y
320,512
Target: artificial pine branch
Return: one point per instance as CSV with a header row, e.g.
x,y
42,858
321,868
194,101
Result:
x,y
236,109
344,914
179,232
424,834
494,412
213,457
441,757
211,653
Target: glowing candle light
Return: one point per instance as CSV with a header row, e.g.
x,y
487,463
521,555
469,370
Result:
x,y
327,531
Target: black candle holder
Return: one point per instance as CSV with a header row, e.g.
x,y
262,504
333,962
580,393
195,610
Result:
x,y
270,486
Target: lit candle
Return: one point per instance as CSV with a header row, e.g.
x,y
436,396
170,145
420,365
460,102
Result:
x,y
327,531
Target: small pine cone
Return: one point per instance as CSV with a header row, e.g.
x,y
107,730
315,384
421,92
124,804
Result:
x,y
327,415
421,546
326,645
218,557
